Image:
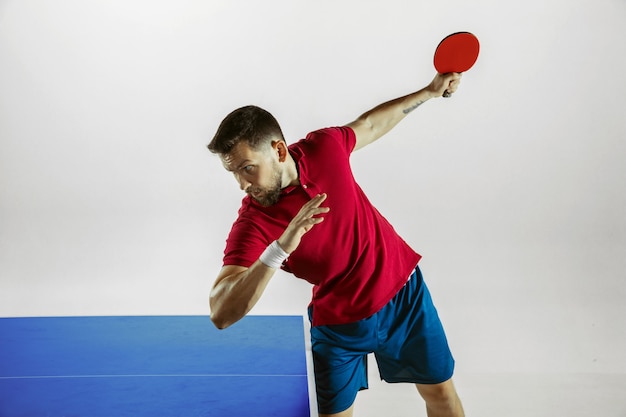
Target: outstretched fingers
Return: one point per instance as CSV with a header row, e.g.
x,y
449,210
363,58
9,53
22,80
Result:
x,y
310,210
309,215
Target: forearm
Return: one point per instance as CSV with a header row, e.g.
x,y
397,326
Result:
x,y
233,295
381,119
237,289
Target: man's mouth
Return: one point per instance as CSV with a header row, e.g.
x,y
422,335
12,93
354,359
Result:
x,y
253,192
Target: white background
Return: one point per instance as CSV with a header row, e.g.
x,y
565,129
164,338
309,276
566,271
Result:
x,y
513,190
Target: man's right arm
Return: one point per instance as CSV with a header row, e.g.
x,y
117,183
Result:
x,y
376,122
237,288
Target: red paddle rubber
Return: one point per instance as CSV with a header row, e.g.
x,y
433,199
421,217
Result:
x,y
456,53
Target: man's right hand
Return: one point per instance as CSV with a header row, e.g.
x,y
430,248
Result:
x,y
308,216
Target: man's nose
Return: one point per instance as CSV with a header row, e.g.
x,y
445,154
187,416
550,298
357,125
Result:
x,y
243,184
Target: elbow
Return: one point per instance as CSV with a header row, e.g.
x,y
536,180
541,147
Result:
x,y
219,323
219,320
226,307
224,320
217,313
222,317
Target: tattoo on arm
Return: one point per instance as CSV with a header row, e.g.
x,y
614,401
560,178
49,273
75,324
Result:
x,y
410,109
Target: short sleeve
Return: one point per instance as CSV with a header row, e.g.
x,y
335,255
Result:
x,y
245,243
344,136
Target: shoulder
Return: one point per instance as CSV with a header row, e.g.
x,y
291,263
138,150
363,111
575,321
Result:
x,y
335,132
332,136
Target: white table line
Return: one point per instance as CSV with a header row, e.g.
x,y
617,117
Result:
x,y
153,376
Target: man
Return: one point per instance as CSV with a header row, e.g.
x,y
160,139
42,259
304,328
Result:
x,y
305,213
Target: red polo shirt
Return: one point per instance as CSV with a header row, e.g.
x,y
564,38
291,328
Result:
x,y
354,258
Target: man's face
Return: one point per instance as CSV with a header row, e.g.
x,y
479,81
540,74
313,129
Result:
x,y
258,172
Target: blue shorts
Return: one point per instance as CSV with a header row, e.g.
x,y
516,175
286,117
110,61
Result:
x,y
406,337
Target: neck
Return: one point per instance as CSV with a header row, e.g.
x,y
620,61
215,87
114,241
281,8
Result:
x,y
290,174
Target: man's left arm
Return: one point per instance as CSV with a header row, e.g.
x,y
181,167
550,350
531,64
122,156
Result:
x,y
373,124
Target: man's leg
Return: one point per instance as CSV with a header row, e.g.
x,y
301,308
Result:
x,y
441,399
340,364
346,413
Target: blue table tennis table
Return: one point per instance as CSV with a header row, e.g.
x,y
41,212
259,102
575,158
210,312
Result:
x,y
153,366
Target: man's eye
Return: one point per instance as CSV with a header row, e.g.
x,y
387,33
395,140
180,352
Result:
x,y
248,168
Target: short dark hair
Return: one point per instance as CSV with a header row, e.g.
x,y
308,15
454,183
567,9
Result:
x,y
249,124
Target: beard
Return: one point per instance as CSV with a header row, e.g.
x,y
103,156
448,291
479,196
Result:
x,y
267,196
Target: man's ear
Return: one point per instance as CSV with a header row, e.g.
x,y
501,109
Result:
x,y
281,148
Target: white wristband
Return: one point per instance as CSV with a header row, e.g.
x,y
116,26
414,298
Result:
x,y
273,256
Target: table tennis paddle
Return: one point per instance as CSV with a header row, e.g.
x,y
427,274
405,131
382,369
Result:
x,y
456,53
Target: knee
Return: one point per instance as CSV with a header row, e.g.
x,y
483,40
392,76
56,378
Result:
x,y
441,399
443,393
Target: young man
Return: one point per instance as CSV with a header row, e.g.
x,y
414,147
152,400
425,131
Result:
x,y
305,213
